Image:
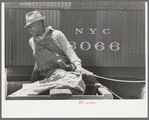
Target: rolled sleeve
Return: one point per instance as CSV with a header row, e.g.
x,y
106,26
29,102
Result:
x,y
31,43
66,47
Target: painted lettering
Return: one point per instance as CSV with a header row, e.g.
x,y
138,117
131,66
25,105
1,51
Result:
x,y
80,31
92,31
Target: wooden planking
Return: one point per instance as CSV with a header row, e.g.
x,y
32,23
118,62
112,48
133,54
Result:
x,y
142,39
7,34
104,39
119,59
129,40
69,26
79,19
110,37
88,56
25,38
119,40
14,43
25,49
135,52
115,38
99,37
54,19
93,37
18,36
125,38
132,40
10,39
88,19
50,16
84,54
58,19
22,40
77,37
72,36
138,40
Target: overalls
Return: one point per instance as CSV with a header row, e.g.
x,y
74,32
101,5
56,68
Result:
x,y
49,56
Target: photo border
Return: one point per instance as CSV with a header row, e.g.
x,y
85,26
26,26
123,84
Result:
x,y
8,106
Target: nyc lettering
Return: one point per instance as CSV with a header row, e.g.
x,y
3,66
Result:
x,y
105,31
99,46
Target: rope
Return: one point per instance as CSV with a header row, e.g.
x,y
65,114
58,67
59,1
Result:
x,y
111,78
114,93
98,84
118,80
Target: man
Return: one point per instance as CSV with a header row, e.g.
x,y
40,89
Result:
x,y
52,51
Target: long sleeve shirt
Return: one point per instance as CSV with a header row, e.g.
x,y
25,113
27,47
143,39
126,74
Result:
x,y
61,41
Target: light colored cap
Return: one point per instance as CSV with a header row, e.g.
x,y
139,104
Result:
x,y
32,17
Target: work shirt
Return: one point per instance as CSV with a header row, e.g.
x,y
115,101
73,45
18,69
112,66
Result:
x,y
61,41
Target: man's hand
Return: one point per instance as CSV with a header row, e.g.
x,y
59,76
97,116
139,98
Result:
x,y
81,70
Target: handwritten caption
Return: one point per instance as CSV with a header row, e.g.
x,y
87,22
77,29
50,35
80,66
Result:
x,y
86,102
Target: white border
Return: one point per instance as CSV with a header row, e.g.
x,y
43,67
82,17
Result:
x,y
71,108
146,45
3,50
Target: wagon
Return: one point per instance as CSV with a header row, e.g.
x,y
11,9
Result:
x,y
18,75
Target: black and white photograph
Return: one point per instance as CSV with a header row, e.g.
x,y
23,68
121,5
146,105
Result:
x,y
89,57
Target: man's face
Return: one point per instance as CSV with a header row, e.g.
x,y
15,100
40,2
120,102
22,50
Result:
x,y
34,28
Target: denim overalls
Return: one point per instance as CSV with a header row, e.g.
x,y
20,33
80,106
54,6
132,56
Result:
x,y
49,56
